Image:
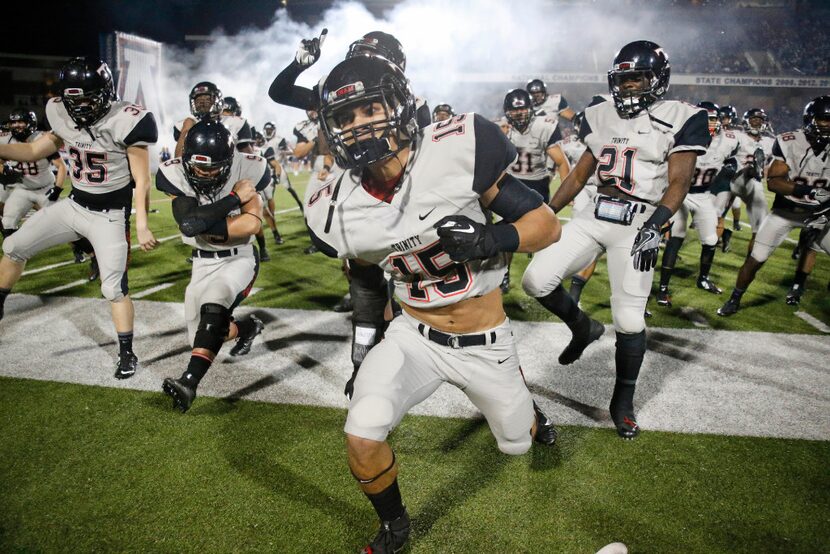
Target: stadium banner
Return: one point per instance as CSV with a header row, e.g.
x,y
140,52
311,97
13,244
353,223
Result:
x,y
136,65
705,80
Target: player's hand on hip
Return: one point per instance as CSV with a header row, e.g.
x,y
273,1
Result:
x,y
146,239
464,239
646,247
244,189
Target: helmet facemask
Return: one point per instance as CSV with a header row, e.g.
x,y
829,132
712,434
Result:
x,y
22,125
269,130
205,175
205,102
86,107
518,118
630,100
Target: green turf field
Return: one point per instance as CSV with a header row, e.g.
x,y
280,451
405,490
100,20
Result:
x,y
93,469
88,469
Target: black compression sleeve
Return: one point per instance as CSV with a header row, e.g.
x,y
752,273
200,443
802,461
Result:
x,y
194,219
369,293
284,91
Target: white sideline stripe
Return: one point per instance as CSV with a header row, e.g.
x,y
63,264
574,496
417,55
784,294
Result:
x,y
285,211
793,241
65,287
151,290
61,264
817,323
254,290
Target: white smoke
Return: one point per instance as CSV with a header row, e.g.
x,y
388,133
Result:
x,y
442,40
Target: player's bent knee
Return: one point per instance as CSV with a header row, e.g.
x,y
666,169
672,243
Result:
x,y
214,324
12,251
536,284
517,446
112,291
370,417
629,322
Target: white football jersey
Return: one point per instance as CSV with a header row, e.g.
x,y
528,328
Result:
x,y
238,126
36,175
452,163
98,162
171,179
276,142
632,154
724,146
532,146
306,131
806,167
749,144
572,148
552,106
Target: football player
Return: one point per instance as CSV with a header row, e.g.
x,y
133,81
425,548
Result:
x,y
755,147
217,208
267,194
442,112
799,178
310,144
37,185
206,101
281,151
643,151
107,144
414,203
717,164
552,106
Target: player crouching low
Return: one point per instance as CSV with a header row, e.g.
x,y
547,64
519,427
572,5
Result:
x,y
218,210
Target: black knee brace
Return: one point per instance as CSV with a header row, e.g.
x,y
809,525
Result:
x,y
631,348
214,324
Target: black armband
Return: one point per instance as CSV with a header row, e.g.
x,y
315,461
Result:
x,y
369,293
506,236
801,190
194,219
514,199
660,216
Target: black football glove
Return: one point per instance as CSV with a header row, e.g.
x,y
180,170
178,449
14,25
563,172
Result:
x,y
349,390
309,51
53,194
464,239
646,247
10,176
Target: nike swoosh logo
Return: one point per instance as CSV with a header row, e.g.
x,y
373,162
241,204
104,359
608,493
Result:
x,y
504,360
423,217
468,229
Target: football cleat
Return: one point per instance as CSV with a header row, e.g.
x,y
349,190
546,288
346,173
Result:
x,y
647,313
626,423
736,224
578,345
731,307
706,284
664,298
310,250
244,342
278,239
545,431
263,256
344,304
78,254
125,368
94,270
794,296
391,538
726,240
181,393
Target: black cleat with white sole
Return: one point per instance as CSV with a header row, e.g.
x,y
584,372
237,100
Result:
x,y
578,345
126,366
626,423
245,341
545,431
391,538
182,394
730,307
704,283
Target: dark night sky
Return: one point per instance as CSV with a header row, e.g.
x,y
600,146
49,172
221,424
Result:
x,y
67,28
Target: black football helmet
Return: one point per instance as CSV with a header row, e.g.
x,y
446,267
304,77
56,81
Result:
x,y
538,91
87,89
213,107
713,113
579,117
728,111
360,81
754,113
443,108
22,123
518,108
378,43
269,130
817,120
207,157
259,139
230,104
644,62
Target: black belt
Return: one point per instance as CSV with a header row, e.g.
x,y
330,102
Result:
x,y
81,201
456,341
214,253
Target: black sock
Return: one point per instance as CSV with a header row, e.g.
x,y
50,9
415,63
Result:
x,y
387,503
800,279
631,349
563,306
276,234
296,199
577,284
196,369
3,294
260,241
669,260
125,343
707,256
737,294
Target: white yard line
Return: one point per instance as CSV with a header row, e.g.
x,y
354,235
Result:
x,y
151,290
285,211
47,267
817,323
67,286
162,239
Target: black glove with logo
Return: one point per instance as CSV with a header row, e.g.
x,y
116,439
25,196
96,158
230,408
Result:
x,y
464,239
53,194
647,242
